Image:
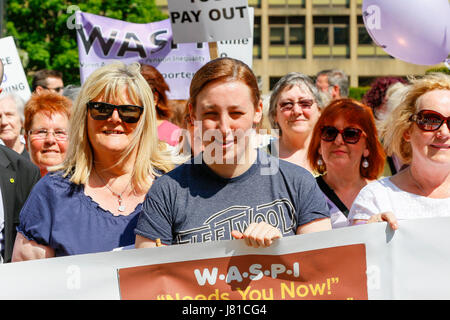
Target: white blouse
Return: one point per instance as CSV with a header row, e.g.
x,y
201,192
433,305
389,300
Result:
x,y
383,195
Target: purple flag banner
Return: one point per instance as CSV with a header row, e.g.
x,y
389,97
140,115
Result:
x,y
103,40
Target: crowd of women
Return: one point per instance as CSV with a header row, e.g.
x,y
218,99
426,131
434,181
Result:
x,y
113,174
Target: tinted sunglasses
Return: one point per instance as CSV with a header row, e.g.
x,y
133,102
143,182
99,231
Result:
x,y
57,89
103,110
428,120
349,135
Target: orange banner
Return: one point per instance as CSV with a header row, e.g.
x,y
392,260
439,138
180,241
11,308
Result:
x,y
331,273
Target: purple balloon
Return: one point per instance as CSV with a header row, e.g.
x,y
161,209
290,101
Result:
x,y
415,31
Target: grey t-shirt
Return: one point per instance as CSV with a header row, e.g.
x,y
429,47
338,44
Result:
x,y
193,204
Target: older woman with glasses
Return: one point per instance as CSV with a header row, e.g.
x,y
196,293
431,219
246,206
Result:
x,y
92,203
46,129
295,106
345,151
419,133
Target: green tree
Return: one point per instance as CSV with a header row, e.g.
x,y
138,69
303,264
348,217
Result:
x,y
439,69
39,28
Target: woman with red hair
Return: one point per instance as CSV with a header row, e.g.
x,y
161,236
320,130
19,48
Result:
x,y
167,131
46,129
347,154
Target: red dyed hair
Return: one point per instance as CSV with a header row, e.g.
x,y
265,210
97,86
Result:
x,y
355,113
159,87
47,102
375,97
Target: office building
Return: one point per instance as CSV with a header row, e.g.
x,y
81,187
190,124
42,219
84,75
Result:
x,y
312,35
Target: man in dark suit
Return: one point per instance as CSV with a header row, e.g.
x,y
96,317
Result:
x,y
17,177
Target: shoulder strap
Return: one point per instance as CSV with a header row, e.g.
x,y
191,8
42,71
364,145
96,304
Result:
x,y
332,195
391,165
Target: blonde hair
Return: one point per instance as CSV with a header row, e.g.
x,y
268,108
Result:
x,y
393,129
107,82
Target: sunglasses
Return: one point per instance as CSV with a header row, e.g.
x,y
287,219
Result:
x,y
428,120
103,111
349,135
57,89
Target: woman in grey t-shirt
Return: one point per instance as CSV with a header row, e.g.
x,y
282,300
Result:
x,y
230,190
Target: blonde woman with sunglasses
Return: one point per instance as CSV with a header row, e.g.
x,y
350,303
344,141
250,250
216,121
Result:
x,y
418,131
91,202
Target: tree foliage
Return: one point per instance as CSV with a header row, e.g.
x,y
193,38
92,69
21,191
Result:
x,y
43,39
439,69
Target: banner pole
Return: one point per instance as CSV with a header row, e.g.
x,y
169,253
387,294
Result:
x,y
213,51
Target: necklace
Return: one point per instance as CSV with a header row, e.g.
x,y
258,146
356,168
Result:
x,y
415,181
121,207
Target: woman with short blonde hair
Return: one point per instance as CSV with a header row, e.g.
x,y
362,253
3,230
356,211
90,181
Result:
x,y
393,129
419,133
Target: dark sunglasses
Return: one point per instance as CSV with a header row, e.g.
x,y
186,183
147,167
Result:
x,y
103,110
57,89
349,135
429,120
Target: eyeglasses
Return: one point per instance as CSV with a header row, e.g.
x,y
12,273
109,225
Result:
x,y
349,135
57,89
41,134
429,120
289,105
103,111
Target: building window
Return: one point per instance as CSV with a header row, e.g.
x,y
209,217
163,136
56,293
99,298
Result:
x,y
331,36
363,36
321,35
331,3
341,35
257,38
254,3
286,36
273,81
287,3
277,35
366,47
296,35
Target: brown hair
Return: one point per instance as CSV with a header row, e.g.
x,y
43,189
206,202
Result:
x,y
159,87
224,69
356,113
47,102
40,77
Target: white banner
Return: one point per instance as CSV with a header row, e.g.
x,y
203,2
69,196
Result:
x,y
209,20
102,40
410,263
14,79
241,49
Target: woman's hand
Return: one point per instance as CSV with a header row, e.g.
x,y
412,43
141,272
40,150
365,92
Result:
x,y
258,235
388,217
